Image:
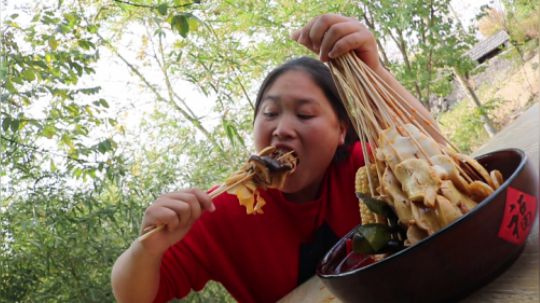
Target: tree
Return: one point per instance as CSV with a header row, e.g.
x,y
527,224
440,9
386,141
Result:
x,y
427,40
56,151
46,116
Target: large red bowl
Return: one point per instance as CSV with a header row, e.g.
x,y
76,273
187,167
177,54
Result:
x,y
459,258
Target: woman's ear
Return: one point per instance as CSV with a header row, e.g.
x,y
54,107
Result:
x,y
342,133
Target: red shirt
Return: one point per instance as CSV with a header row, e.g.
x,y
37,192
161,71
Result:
x,y
261,258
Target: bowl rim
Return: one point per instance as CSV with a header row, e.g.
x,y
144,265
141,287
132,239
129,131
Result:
x,y
422,242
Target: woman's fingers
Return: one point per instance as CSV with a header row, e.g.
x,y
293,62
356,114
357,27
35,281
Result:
x,y
339,39
201,197
178,208
204,199
334,35
363,43
321,28
165,211
311,35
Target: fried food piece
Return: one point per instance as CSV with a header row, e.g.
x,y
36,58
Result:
x,y
479,190
268,169
394,148
429,147
418,180
444,167
414,234
426,218
249,197
446,211
402,206
471,164
450,192
496,178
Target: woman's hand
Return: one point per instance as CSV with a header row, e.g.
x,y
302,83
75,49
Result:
x,y
177,211
332,35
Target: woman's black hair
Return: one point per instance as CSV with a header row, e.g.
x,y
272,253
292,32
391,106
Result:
x,y
321,75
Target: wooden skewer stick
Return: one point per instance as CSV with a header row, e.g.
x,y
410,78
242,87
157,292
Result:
x,y
221,189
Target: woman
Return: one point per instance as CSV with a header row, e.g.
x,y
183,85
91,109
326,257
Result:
x,y
260,258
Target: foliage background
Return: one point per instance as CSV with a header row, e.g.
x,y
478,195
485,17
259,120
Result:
x,y
78,168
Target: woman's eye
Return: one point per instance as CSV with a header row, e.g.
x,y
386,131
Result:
x,y
269,114
305,116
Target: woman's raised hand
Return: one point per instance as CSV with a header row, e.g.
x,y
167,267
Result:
x,y
332,35
177,211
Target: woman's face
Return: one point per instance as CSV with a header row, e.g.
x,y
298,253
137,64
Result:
x,y
295,114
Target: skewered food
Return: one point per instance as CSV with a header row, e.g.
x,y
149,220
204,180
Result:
x,y
427,183
268,169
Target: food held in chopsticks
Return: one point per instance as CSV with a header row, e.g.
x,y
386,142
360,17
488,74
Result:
x,y
426,184
268,169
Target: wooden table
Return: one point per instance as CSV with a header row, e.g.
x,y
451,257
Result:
x,y
520,283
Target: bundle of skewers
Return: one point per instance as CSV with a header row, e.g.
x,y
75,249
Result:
x,y
412,185
267,169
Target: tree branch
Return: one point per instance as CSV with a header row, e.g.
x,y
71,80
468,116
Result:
x,y
152,6
184,113
45,151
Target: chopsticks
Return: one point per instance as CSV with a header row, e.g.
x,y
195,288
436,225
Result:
x,y
221,189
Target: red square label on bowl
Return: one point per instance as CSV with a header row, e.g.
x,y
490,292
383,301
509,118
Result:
x,y
519,214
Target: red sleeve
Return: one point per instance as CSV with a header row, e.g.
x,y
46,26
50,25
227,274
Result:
x,y
180,272
188,264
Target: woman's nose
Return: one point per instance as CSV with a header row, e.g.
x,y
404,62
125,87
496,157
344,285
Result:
x,y
284,127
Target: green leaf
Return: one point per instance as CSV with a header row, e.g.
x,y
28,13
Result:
x,y
77,172
49,131
162,8
66,139
229,132
85,44
104,103
370,238
11,88
92,173
6,123
193,22
41,64
377,206
15,125
104,146
3,71
238,137
53,43
92,28
28,75
71,18
81,130
52,166
180,24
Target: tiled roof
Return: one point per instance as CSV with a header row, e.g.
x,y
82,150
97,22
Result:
x,y
485,46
